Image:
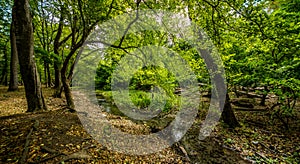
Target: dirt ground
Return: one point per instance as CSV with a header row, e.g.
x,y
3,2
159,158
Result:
x,y
57,136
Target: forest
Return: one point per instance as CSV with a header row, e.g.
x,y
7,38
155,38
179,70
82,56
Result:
x,y
150,81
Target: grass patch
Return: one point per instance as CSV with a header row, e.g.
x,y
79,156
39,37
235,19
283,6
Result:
x,y
143,100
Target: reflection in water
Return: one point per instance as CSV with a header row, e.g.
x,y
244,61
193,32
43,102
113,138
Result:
x,y
108,106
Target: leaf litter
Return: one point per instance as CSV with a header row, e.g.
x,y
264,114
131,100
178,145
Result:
x,y
61,138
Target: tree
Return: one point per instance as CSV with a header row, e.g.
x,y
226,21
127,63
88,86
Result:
x,y
213,17
13,82
82,22
5,22
24,42
4,65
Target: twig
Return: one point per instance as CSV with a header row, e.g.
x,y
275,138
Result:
x,y
262,156
184,152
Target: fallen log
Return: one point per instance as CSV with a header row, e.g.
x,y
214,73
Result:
x,y
250,109
251,94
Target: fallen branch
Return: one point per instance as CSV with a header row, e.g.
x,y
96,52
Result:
x,y
48,158
49,150
25,151
82,154
58,153
251,122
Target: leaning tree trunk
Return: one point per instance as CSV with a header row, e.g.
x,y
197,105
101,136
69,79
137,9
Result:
x,y
65,81
13,81
228,115
24,40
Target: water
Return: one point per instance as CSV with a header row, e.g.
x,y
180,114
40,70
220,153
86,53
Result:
x,y
108,106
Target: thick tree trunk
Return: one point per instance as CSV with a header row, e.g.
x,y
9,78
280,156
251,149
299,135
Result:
x,y
24,40
228,115
13,81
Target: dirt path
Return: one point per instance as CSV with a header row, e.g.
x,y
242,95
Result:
x,y
58,135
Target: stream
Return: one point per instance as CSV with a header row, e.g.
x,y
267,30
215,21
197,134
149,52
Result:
x,y
108,106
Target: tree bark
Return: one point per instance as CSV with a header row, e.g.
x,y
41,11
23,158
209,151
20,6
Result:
x,y
57,81
228,115
4,80
45,74
65,80
263,99
13,80
57,65
24,41
48,75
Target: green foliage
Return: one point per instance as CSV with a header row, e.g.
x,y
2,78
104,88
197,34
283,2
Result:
x,y
265,51
152,76
43,55
140,99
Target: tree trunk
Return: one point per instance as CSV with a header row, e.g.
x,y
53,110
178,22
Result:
x,y
24,40
67,91
13,80
48,75
3,79
65,81
45,74
228,115
265,94
57,65
57,76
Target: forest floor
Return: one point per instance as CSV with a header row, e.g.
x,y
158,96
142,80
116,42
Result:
x,y
57,136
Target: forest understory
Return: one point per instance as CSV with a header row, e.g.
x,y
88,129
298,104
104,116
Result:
x,y
57,136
